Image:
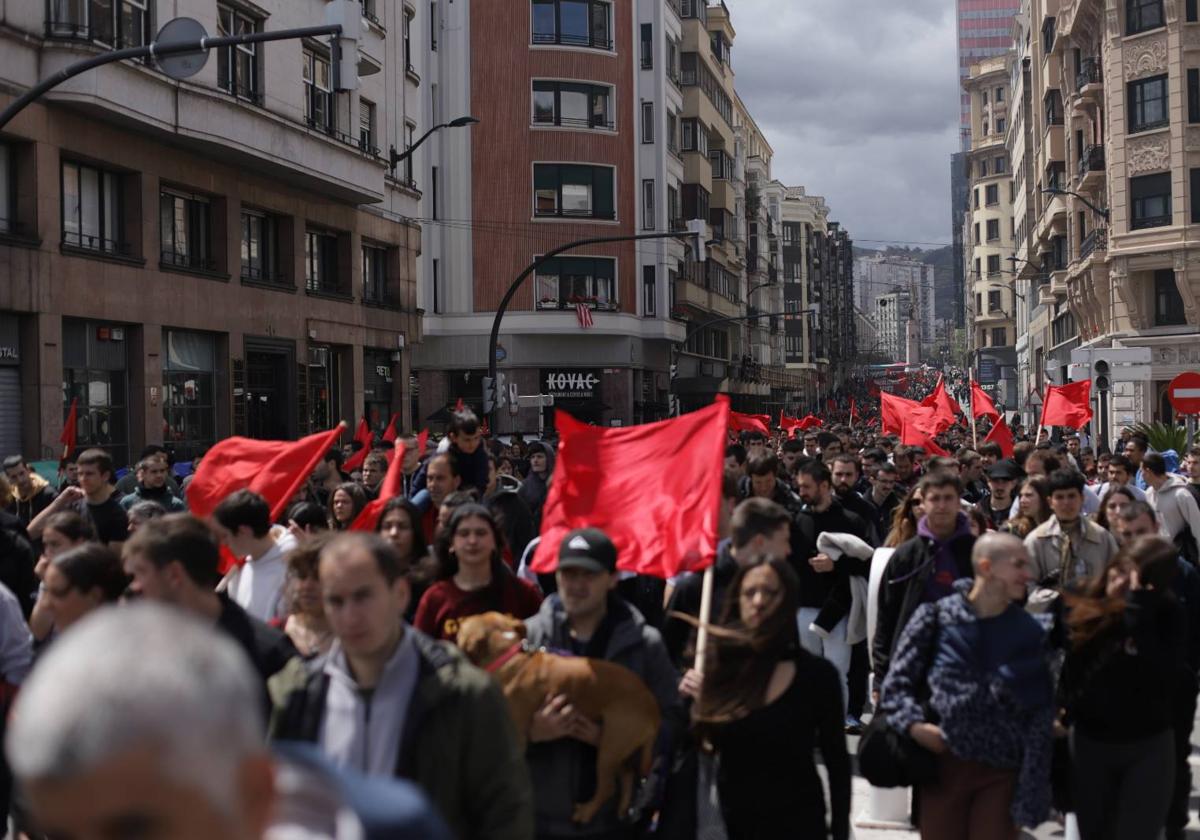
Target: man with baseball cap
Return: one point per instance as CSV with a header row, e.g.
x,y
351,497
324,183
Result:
x,y
1002,478
586,617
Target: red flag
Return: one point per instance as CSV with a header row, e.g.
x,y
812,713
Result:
x,y
853,410
944,406
389,434
982,405
393,484
68,437
364,436
274,469
422,443
911,434
655,489
739,422
1002,435
873,388
789,424
809,421
583,314
892,410
1068,405
830,406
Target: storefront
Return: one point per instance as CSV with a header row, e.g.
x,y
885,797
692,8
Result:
x,y
326,365
189,392
10,386
96,373
577,391
377,387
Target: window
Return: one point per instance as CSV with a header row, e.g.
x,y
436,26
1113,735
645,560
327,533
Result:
x,y
113,23
565,281
434,204
1147,103
978,272
672,133
562,189
189,392
999,94
237,66
695,136
368,10
1191,11
648,220
1001,124
993,263
673,217
695,201
1194,183
649,291
1193,94
976,240
976,202
260,247
434,23
992,194
647,122
993,232
1053,108
1141,15
573,23
694,72
985,97
1168,303
410,131
1151,197
408,22
321,263
978,298
572,104
647,46
983,168
366,127
92,209
672,52
185,222
374,274
999,337
318,91
994,301
722,165
8,210
1000,165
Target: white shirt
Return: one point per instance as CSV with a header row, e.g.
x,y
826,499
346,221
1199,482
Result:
x,y
257,587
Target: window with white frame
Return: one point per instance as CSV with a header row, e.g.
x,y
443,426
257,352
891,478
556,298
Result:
x,y
648,220
237,66
566,281
318,91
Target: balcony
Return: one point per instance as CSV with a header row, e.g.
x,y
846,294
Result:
x,y
1097,240
1089,81
595,40
1091,167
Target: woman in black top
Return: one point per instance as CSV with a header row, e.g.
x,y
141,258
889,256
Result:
x,y
764,705
1125,666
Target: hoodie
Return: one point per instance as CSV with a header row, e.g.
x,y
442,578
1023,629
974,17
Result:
x,y
1177,509
25,506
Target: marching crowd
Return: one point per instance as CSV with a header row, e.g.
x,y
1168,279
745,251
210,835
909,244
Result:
x,y
1022,632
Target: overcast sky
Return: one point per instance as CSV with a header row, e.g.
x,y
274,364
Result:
x,y
859,100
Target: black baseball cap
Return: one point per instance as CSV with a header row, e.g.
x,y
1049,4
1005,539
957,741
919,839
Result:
x,y
1006,470
588,548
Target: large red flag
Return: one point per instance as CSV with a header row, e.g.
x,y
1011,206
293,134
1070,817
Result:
x,y
70,427
892,410
788,424
911,434
364,436
393,484
1068,405
981,403
1001,435
389,436
739,422
944,406
274,469
853,410
654,489
809,421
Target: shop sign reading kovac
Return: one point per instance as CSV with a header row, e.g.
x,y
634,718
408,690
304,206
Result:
x,y
571,384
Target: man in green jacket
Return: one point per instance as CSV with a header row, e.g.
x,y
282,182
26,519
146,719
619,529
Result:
x,y
389,701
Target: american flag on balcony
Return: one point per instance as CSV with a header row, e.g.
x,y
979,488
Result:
x,y
584,314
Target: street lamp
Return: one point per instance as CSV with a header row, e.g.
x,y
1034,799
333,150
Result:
x,y
1056,191
396,157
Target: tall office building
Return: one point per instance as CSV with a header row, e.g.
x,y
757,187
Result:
x,y
984,30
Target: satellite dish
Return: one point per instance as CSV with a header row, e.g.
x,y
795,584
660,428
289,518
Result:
x,y
183,65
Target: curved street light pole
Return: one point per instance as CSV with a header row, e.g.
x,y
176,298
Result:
x,y
396,157
1056,191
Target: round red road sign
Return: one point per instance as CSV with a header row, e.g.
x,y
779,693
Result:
x,y
1184,393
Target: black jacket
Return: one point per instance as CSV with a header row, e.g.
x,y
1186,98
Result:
x,y
268,649
902,590
516,520
17,561
816,588
782,496
865,511
685,599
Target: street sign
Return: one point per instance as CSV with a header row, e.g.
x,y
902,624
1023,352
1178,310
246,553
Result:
x,y
181,30
1184,393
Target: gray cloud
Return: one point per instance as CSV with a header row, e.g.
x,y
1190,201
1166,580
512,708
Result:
x,y
859,99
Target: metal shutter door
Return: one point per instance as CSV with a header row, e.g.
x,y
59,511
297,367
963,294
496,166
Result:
x,y
10,412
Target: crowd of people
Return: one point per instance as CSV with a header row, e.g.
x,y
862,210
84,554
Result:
x,y
1033,632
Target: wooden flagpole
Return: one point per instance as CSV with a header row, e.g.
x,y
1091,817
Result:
x,y
706,596
971,401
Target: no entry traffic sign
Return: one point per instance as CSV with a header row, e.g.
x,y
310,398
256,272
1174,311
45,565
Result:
x,y
1184,393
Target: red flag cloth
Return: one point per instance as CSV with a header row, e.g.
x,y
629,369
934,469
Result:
x,y
654,489
853,410
70,427
810,421
943,404
873,388
789,424
1001,435
389,434
274,469
364,436
981,403
830,406
892,410
912,435
392,486
739,422
1068,405
583,314
422,443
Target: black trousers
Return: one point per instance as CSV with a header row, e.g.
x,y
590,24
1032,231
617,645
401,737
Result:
x,y
1185,717
857,679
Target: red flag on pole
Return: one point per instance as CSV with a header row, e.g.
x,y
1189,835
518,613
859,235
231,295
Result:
x,y
944,406
854,415
911,434
364,436
1068,405
70,429
739,422
393,484
583,314
654,489
981,403
389,436
274,469
892,410
1002,435
809,421
788,424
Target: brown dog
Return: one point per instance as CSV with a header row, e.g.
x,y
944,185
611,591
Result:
x,y
602,691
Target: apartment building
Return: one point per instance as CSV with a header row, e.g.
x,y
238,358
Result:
x,y
990,232
229,254
881,273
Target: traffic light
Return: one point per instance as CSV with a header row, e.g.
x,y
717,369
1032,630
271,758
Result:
x,y
1101,373
501,390
489,395
343,49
